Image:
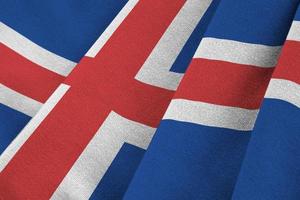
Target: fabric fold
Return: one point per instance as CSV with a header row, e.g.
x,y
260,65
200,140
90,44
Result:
x,y
270,168
199,146
104,114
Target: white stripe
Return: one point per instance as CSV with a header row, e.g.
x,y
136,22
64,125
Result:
x,y
27,131
90,167
284,90
18,101
238,52
111,28
34,52
294,33
211,114
156,69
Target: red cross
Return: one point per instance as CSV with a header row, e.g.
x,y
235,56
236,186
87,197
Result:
x,y
98,86
26,77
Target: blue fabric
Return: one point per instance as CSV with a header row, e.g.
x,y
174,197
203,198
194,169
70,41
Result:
x,y
115,181
183,160
191,161
12,122
253,21
67,28
271,167
297,15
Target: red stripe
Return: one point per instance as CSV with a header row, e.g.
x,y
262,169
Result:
x,y
26,77
97,86
224,83
289,62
